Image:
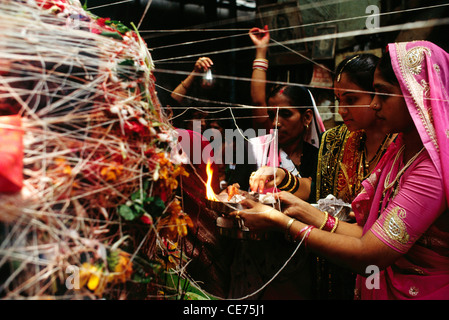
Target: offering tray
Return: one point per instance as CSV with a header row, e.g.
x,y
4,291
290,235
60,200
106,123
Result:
x,y
230,226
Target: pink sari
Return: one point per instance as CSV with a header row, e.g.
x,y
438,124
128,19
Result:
x,y
412,217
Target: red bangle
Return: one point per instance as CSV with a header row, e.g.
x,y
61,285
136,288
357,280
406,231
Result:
x,y
301,231
306,237
306,229
330,223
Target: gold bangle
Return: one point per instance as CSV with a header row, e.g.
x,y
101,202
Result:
x,y
287,230
288,182
294,184
326,217
335,225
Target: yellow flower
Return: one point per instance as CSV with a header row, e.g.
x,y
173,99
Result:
x,y
93,282
183,221
62,166
90,275
111,172
124,268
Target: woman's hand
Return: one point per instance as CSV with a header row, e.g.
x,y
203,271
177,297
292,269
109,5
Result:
x,y
258,216
260,37
265,177
294,206
202,64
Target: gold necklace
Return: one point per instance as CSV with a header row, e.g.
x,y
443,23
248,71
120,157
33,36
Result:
x,y
364,165
387,183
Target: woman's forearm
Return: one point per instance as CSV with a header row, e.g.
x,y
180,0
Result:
x,y
311,215
344,248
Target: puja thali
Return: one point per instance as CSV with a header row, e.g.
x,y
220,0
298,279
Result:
x,y
232,227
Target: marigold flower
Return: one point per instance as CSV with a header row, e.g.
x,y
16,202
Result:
x,y
124,268
111,172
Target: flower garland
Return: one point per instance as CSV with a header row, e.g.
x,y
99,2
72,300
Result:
x,y
99,186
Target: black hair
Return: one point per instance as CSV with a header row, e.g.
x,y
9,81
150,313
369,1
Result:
x,y
386,69
360,69
298,96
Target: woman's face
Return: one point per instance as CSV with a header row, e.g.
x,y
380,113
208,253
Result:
x,y
353,104
390,106
289,121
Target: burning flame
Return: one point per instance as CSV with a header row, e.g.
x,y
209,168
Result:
x,y
210,194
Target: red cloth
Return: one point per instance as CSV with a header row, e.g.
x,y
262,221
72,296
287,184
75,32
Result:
x,y
11,154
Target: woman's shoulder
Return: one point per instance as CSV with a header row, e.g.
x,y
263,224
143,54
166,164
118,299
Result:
x,y
339,129
340,133
424,164
334,139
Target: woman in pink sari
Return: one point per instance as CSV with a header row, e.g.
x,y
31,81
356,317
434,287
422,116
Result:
x,y
402,213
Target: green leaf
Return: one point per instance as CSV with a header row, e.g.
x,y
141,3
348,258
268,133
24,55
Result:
x,y
183,288
194,296
126,212
114,35
142,279
156,206
126,62
113,259
138,209
136,196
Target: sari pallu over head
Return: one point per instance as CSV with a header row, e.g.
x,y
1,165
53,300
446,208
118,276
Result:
x,y
422,70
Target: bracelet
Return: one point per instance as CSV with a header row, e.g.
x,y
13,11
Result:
x,y
335,226
326,218
293,190
290,187
284,182
283,185
330,223
183,85
291,184
260,64
306,237
287,230
295,184
299,233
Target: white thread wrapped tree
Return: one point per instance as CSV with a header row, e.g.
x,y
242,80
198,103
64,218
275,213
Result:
x,y
96,214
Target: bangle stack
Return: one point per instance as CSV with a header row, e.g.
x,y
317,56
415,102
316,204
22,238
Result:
x,y
260,64
330,223
306,230
290,183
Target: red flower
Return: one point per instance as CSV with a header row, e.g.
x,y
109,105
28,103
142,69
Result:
x,y
101,21
146,219
49,4
136,127
102,26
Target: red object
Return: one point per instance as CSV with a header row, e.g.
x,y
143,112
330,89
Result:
x,y
11,154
